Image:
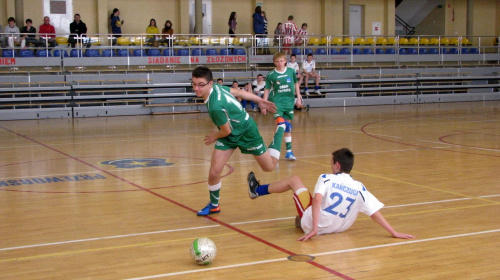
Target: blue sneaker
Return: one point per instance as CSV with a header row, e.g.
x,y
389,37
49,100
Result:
x,y
209,209
290,156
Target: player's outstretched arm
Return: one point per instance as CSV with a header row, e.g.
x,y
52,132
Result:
x,y
377,217
316,208
263,104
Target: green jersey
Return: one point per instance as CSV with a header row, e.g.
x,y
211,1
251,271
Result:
x,y
223,107
282,88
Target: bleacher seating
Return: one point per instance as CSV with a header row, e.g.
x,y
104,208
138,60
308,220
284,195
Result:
x,y
60,53
345,51
333,51
43,53
154,52
226,52
168,52
9,53
379,51
26,53
139,52
92,53
356,51
197,52
183,52
76,53
239,51
321,51
390,51
211,52
107,53
122,52
367,51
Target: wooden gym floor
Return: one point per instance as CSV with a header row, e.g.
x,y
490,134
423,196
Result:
x,y
115,198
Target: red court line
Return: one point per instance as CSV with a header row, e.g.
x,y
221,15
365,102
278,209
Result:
x,y
183,206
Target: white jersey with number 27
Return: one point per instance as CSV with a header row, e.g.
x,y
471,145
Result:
x,y
343,199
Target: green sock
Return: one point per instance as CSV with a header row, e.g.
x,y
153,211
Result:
x,y
214,197
278,137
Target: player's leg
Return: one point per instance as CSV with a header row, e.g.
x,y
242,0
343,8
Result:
x,y
217,163
288,116
317,77
306,83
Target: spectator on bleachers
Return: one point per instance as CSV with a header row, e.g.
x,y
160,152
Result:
x,y
167,33
277,34
309,70
301,35
77,27
153,30
248,88
258,27
295,66
289,29
232,24
116,24
220,81
258,85
11,28
30,34
47,33
236,86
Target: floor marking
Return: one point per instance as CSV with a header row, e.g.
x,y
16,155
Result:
x,y
405,242
241,223
105,237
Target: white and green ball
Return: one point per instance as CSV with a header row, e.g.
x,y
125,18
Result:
x,y
203,251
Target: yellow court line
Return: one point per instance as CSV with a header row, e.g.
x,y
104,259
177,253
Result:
x,y
411,184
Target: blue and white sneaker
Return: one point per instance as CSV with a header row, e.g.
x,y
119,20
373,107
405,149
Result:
x,y
290,156
209,209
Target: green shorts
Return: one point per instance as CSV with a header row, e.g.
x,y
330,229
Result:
x,y
249,143
286,113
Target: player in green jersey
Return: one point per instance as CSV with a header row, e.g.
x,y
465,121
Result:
x,y
236,130
283,90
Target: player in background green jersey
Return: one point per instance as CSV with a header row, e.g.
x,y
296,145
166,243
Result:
x,y
283,90
236,129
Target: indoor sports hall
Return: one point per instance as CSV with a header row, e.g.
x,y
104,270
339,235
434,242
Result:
x,y
103,165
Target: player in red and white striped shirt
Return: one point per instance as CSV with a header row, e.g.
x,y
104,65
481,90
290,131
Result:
x,y
301,35
289,29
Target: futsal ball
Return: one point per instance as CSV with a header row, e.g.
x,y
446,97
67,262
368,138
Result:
x,y
203,251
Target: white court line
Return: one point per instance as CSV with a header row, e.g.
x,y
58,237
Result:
x,y
103,238
319,254
204,227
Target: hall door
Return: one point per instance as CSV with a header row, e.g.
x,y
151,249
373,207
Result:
x,y
356,20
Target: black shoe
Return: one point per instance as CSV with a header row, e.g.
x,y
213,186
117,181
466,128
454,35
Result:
x,y
252,185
